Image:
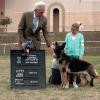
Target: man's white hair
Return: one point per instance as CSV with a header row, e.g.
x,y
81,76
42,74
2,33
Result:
x,y
78,22
40,5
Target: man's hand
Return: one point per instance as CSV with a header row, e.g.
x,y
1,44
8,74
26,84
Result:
x,y
52,47
22,46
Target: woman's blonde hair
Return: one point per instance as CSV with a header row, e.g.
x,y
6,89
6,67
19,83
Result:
x,y
76,25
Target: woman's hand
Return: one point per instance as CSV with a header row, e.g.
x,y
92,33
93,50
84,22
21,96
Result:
x,y
81,58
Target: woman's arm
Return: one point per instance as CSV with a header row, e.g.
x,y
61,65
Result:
x,y
81,46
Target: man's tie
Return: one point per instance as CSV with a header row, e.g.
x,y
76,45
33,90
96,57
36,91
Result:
x,y
35,23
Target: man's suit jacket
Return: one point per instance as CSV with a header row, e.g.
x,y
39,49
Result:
x,y
25,30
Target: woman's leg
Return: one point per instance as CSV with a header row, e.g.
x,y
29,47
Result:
x,y
78,79
74,81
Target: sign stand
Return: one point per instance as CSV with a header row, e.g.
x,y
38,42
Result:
x,y
28,71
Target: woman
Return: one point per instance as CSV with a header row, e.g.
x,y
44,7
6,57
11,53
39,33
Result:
x,y
74,46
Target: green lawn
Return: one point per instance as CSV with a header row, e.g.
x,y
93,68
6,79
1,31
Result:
x,y
51,92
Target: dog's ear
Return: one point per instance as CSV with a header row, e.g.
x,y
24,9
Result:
x,y
63,45
56,44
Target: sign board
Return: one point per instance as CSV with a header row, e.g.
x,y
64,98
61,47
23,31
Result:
x,y
28,71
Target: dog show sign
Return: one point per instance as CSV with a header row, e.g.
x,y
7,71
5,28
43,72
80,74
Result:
x,y
28,71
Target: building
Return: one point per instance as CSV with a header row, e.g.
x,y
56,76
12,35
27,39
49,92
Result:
x,y
2,8
60,13
2,13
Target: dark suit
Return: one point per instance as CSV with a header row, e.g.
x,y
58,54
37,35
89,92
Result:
x,y
25,30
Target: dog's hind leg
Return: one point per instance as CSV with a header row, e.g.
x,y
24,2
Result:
x,y
92,82
86,80
84,76
92,72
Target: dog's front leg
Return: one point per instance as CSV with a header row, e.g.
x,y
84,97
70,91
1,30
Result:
x,y
63,76
65,79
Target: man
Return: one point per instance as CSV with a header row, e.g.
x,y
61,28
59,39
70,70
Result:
x,y
30,26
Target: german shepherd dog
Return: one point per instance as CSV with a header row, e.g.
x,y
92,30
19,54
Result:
x,y
73,65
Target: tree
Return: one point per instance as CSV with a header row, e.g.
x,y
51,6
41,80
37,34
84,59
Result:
x,y
5,21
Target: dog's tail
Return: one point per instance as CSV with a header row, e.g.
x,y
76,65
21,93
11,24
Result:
x,y
92,72
97,76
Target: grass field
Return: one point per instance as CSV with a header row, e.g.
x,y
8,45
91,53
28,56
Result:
x,y
51,92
